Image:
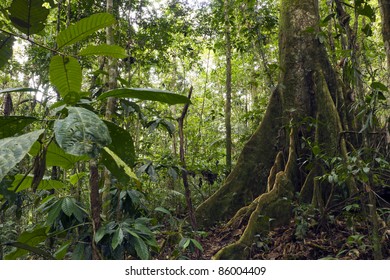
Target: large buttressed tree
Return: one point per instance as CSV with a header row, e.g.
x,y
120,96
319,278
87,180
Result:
x,y
307,106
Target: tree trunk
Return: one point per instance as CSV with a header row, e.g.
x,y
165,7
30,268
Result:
x,y
228,106
184,172
261,186
385,12
110,108
95,205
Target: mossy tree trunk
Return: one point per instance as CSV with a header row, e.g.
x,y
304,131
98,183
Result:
x,y
304,106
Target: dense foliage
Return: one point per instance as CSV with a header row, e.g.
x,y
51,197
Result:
x,y
83,179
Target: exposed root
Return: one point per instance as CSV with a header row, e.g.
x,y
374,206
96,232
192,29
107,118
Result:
x,y
273,209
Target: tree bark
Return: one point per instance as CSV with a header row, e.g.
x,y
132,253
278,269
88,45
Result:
x,y
184,173
385,13
228,105
110,108
95,205
260,188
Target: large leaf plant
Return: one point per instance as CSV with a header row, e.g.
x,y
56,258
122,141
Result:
x,y
71,132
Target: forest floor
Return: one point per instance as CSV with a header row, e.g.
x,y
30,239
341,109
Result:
x,y
336,241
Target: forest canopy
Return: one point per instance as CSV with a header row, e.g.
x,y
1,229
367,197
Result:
x,y
215,129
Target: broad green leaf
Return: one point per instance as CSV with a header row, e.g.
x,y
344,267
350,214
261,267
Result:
x,y
70,207
30,238
23,249
101,232
13,150
45,184
141,248
75,178
9,126
54,212
20,89
142,229
55,156
379,86
65,75
78,212
67,206
152,125
132,233
117,238
122,143
162,96
116,165
82,132
163,210
134,195
6,43
104,50
28,16
367,11
83,28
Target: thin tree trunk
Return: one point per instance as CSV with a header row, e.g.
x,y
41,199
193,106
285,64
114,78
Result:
x,y
385,13
228,106
184,173
110,109
8,107
95,205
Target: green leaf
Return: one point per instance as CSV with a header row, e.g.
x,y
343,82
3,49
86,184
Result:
x,y
366,169
152,125
367,30
75,178
197,244
328,17
122,143
23,249
184,242
55,156
83,28
141,248
65,74
162,96
142,229
54,213
25,182
29,239
117,238
163,210
13,150
70,207
9,126
101,232
28,16
6,43
104,50
116,165
367,11
61,252
379,86
67,206
82,132
316,150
